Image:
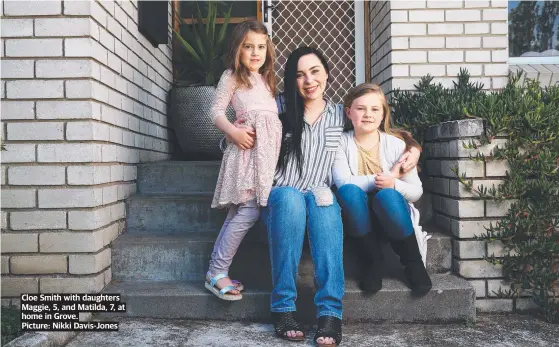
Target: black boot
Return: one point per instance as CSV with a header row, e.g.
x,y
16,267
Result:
x,y
369,255
415,271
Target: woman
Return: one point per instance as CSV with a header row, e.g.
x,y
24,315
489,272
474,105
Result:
x,y
301,200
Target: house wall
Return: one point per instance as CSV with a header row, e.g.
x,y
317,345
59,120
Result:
x,y
381,43
416,38
84,99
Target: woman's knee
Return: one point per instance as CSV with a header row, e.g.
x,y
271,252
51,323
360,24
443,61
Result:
x,y
285,195
286,202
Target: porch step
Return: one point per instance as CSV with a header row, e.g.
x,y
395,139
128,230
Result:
x,y
451,299
186,177
177,177
187,212
172,257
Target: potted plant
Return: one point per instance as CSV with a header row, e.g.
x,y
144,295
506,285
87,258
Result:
x,y
200,68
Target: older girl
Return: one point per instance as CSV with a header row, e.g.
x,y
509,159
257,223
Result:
x,y
375,196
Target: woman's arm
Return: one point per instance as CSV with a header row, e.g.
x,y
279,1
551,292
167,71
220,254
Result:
x,y
341,174
406,183
409,185
410,157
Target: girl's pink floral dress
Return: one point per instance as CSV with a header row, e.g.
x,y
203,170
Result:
x,y
248,174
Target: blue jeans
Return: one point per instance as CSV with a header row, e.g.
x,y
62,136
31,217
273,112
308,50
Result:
x,y
288,215
386,210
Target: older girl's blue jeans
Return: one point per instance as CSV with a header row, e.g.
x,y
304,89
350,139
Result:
x,y
386,209
288,216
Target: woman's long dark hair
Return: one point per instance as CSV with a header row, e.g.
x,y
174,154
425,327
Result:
x,y
293,117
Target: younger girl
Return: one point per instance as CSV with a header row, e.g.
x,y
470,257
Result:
x,y
246,174
374,194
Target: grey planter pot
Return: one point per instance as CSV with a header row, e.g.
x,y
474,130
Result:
x,y
190,116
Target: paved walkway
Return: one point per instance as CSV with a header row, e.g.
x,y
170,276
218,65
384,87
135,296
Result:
x,y
490,330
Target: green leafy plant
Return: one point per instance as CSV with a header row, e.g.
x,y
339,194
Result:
x,y
203,47
527,117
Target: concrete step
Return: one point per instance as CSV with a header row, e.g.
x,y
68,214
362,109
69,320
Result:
x,y
177,177
185,177
181,213
172,257
451,299
188,212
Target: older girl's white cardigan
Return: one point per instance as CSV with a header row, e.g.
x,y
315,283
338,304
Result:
x,y
344,171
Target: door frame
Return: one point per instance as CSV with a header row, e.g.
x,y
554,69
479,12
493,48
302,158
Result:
x,y
362,59
361,31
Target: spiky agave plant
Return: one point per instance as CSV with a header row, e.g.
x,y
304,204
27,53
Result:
x,y
204,47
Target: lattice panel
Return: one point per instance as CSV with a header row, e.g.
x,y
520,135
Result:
x,y
326,25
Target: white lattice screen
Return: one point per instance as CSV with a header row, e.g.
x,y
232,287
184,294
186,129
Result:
x,y
326,25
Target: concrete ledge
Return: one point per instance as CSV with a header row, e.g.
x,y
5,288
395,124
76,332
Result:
x,y
43,339
455,129
47,338
451,299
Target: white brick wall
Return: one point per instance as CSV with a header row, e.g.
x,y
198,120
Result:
x,y
383,15
83,101
462,213
440,33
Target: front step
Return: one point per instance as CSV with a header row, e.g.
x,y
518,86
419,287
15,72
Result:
x,y
176,213
451,299
185,257
188,212
177,177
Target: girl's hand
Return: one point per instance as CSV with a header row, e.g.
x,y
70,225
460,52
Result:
x,y
239,123
384,180
409,159
242,137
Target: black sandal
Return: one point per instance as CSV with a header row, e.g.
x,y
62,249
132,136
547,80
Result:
x,y
284,322
329,326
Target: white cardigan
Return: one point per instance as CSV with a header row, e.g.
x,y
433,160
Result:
x,y
345,168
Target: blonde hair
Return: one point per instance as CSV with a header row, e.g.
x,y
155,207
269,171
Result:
x,y
240,72
386,124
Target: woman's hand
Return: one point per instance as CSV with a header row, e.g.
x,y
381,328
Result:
x,y
409,159
384,180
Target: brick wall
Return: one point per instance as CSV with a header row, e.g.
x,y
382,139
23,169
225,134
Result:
x,y
438,38
381,43
83,101
463,213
